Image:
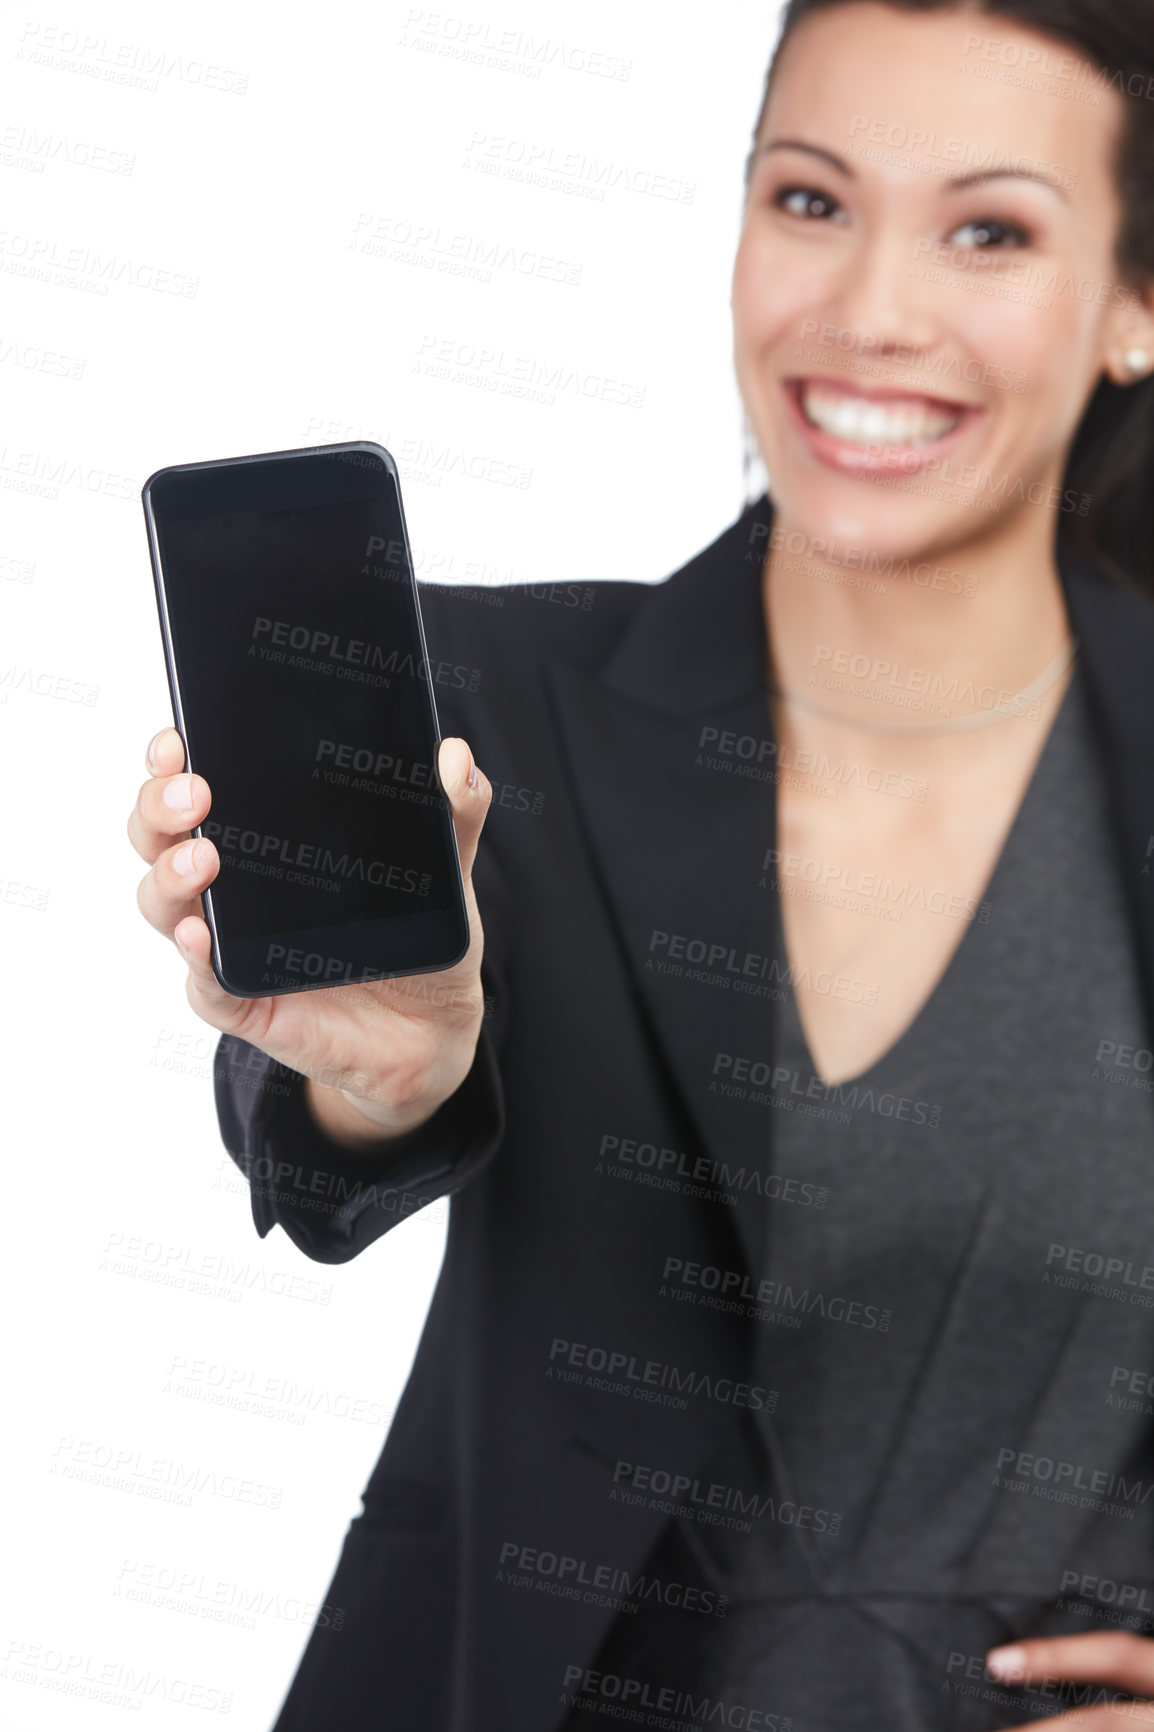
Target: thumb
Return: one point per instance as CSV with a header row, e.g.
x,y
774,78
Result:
x,y
470,793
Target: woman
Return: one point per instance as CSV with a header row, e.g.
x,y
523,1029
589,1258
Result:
x,y
788,1351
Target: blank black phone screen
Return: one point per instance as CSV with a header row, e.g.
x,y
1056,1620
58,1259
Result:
x,y
307,707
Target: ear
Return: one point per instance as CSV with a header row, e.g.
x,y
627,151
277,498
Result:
x,y
1129,355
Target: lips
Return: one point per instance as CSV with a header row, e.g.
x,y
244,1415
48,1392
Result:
x,y
888,430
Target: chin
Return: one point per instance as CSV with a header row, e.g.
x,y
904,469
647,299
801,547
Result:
x,y
836,520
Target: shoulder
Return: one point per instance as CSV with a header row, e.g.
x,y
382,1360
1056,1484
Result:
x,y
496,627
520,626
488,653
489,649
494,653
1113,620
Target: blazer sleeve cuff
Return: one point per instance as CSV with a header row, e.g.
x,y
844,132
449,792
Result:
x,y
331,1202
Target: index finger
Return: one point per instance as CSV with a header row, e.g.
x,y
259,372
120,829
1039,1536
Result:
x,y
165,754
168,804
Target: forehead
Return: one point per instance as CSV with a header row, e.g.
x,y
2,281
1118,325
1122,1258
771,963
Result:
x,y
861,70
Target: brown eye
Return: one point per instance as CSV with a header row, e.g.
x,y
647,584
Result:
x,y
806,201
988,232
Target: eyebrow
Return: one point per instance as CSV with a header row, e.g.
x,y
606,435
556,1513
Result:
x,y
954,182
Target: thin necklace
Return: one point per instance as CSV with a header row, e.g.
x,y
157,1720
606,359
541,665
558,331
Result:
x,y
957,724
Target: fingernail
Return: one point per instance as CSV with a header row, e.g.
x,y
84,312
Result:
x,y
151,753
471,779
1003,1661
184,860
178,794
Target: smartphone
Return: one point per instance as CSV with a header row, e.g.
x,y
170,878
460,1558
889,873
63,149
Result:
x,y
301,688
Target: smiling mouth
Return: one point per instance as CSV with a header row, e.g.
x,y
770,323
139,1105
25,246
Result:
x,y
901,422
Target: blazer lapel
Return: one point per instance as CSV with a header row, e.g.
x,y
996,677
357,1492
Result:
x,y
671,753
1115,630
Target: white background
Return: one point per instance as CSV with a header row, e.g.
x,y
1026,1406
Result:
x,y
243,154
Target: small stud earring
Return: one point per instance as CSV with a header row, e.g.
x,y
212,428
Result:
x,y
1137,360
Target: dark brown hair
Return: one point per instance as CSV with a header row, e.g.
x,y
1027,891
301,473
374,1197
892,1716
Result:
x,y
1112,457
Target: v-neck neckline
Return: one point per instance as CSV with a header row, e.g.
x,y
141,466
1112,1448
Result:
x,y
965,943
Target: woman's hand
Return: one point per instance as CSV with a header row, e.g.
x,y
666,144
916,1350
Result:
x,y
381,1055
1103,1665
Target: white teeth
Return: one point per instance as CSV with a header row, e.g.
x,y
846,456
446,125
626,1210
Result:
x,y
865,421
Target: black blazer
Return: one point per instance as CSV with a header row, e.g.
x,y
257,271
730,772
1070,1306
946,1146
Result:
x,y
588,715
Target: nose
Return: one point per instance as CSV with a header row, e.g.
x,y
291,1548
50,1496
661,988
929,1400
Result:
x,y
881,296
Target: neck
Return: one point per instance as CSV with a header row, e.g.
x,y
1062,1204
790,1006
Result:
x,y
988,614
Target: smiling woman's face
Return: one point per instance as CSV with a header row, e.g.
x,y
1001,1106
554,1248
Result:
x,y
908,323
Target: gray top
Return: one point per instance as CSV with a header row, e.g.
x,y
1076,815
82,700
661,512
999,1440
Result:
x,y
958,1454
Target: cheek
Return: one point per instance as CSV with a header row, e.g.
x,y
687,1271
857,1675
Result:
x,y
1019,334
1052,348
772,297
746,299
